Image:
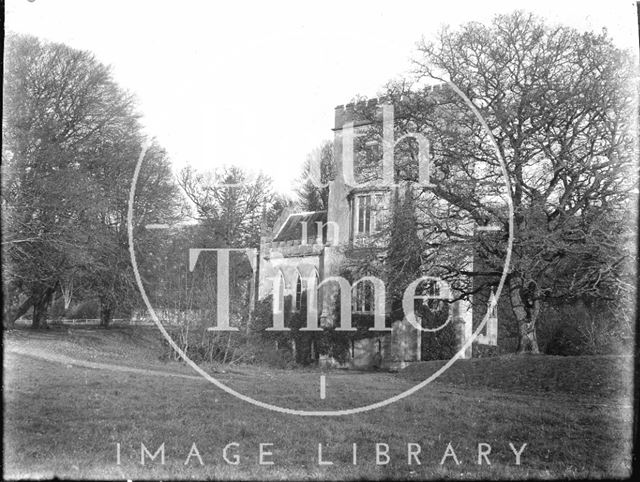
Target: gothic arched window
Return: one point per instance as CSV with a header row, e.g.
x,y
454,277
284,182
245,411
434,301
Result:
x,y
299,293
278,292
363,301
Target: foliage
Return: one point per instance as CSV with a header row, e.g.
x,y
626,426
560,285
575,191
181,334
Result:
x,y
233,214
88,309
304,347
584,328
405,256
310,196
298,347
71,138
441,344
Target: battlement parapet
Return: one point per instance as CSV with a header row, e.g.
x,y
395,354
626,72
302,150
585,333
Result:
x,y
366,111
360,113
290,249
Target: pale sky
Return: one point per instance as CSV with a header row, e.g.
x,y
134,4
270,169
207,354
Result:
x,y
255,84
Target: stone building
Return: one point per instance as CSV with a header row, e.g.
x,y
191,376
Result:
x,y
305,248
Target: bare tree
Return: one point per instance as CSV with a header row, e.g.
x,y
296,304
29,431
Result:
x,y
559,105
231,203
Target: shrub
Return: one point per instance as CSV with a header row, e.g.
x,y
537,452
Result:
x,y
89,309
441,344
266,353
582,328
57,309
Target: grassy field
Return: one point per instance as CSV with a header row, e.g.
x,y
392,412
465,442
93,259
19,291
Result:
x,y
72,396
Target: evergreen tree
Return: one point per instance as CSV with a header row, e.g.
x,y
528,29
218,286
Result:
x,y
310,196
404,259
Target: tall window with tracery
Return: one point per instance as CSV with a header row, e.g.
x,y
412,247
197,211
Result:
x,y
365,211
301,290
279,292
363,298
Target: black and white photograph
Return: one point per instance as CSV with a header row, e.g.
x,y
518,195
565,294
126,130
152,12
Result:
x,y
338,240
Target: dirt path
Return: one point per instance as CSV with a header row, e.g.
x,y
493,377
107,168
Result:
x,y
65,360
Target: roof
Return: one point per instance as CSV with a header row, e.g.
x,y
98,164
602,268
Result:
x,y
291,230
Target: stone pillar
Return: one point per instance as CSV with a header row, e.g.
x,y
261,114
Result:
x,y
338,214
462,319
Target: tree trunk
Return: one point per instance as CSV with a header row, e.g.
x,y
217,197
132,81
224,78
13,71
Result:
x,y
251,307
528,341
67,293
41,307
526,313
106,314
12,314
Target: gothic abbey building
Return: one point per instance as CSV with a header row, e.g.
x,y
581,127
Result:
x,y
303,250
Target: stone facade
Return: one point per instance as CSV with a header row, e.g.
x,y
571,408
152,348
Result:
x,y
288,253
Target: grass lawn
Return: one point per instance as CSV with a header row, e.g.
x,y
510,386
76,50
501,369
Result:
x,y
62,419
